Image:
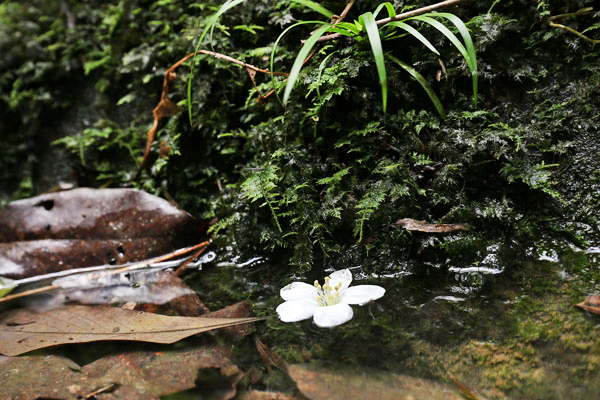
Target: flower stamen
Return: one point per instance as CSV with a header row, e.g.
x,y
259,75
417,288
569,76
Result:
x,y
328,295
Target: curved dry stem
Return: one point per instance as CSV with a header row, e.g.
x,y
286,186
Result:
x,y
167,108
574,32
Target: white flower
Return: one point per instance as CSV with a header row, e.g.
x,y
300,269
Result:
x,y
327,304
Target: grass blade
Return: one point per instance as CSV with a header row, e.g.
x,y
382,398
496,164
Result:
x,y
416,34
299,61
347,25
315,7
272,60
343,31
415,74
321,69
466,36
469,58
389,7
368,22
210,26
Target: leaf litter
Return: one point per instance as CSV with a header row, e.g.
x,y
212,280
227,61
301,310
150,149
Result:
x,y
127,375
23,330
341,382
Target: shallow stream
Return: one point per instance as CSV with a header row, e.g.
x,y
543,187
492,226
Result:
x,y
512,333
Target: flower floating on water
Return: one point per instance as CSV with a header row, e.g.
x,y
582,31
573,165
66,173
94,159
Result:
x,y
329,305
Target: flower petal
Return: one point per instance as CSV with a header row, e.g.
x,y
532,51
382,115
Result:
x,y
344,276
299,291
362,294
295,310
330,316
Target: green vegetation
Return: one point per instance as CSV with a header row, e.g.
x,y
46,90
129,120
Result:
x,y
321,180
483,113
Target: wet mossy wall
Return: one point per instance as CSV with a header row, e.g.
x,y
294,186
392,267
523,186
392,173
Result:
x,y
318,183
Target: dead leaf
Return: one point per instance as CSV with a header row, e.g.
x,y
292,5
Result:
x,y
162,373
23,330
269,357
261,395
421,226
34,377
591,304
241,309
188,305
342,382
130,375
86,227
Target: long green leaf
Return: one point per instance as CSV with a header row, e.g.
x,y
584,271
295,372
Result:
x,y
272,60
321,69
350,26
416,34
315,7
466,36
299,61
367,20
415,74
389,7
469,57
210,26
342,31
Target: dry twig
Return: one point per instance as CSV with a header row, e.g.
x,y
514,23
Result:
x,y
167,108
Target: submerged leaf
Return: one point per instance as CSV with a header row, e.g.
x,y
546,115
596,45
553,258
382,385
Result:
x,y
341,382
134,374
24,330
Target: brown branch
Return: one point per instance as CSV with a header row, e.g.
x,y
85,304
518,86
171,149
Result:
x,y
574,32
183,266
131,267
167,108
583,11
341,17
465,391
398,17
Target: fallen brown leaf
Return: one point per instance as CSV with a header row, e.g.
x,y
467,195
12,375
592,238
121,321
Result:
x,y
161,373
342,382
240,309
86,227
591,304
188,305
421,226
261,395
23,330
